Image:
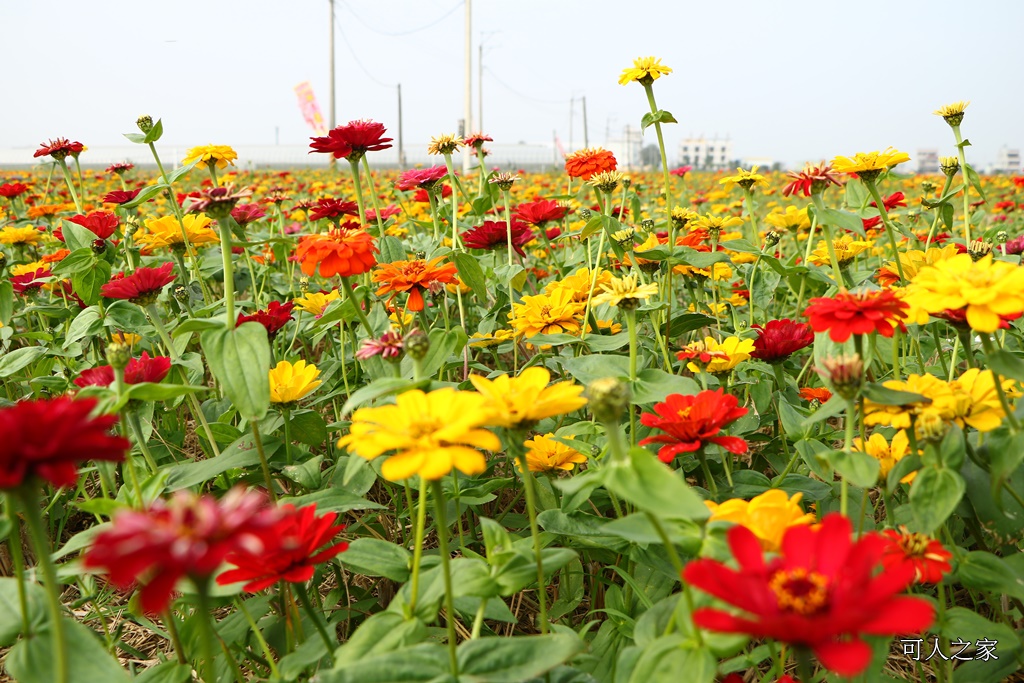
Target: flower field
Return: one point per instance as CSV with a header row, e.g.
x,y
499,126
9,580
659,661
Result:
x,y
363,425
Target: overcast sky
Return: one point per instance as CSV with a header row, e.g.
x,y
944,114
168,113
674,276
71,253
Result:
x,y
790,81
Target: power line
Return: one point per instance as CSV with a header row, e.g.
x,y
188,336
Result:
x,y
519,94
355,56
404,33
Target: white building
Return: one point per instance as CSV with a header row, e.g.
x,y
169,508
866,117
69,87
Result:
x,y
1007,161
927,161
626,147
706,154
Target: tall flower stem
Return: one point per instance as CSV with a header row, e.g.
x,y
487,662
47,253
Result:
x,y
508,225
208,634
354,165
456,242
667,180
229,272
267,653
938,212
873,190
967,184
136,425
71,184
286,415
515,444
264,464
41,540
18,560
449,598
176,208
351,296
417,549
837,273
433,213
844,485
317,619
373,196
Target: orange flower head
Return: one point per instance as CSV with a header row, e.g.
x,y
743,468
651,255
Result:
x,y
586,162
345,251
413,277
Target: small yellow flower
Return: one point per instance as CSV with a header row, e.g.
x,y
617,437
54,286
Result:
x,y
846,248
25,268
606,181
716,223
887,454
626,292
292,382
166,232
793,219
521,401
974,401
316,302
125,338
721,357
768,515
645,70
13,236
445,144
479,340
544,453
934,390
554,313
578,284
869,164
745,179
953,113
219,155
913,260
986,289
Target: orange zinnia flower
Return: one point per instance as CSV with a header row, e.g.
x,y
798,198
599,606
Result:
x,y
586,162
413,277
343,251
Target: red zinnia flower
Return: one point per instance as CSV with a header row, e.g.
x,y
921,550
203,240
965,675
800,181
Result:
x,y
494,235
779,339
423,178
333,208
100,223
244,214
26,283
189,535
348,250
823,592
138,370
422,197
811,180
141,287
120,196
586,162
872,222
477,140
540,212
892,201
957,317
12,190
290,552
846,314
692,422
58,149
352,140
48,438
273,318
927,556
120,168
387,212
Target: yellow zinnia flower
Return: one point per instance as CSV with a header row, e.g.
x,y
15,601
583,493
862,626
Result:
x,y
13,236
544,454
644,69
521,401
869,162
986,288
428,433
974,401
846,249
768,515
913,260
711,223
792,219
936,395
445,144
721,357
292,382
744,178
626,291
166,232
220,155
316,302
578,284
25,268
887,454
953,113
479,340
554,313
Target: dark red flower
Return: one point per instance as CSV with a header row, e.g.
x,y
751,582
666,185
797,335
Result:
x,y
1014,246
872,222
120,196
847,314
927,556
294,547
120,168
811,180
333,208
352,140
138,370
894,200
494,235
387,212
422,197
692,422
423,178
141,287
189,535
12,190
244,214
477,140
823,592
26,283
48,438
100,223
540,212
273,318
779,339
957,317
58,149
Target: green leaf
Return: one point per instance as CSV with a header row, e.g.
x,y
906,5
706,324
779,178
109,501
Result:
x,y
891,397
375,557
10,607
471,274
242,453
86,324
425,662
145,195
513,276
170,671
653,385
688,322
75,262
512,660
32,660
150,391
859,469
845,220
651,486
87,283
18,359
934,495
794,424
652,117
181,171
308,427
834,406
155,133
240,360
443,345
663,660
124,315
1004,363
984,571
586,369
391,250
6,301
975,179
77,237
381,633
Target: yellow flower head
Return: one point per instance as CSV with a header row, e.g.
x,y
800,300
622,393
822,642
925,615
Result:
x,y
521,401
125,338
745,179
983,289
870,164
578,284
846,248
316,302
429,434
913,260
720,357
544,453
626,292
219,155
645,70
953,113
25,268
292,382
479,340
445,144
792,219
887,454
166,232
973,400
768,515
27,235
555,313
933,390
712,223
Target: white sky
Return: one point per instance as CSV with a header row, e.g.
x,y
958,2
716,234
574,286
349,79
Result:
x,y
791,80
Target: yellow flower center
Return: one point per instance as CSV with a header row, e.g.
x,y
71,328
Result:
x,y
799,590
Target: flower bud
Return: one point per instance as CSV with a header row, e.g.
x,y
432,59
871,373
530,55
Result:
x,y
979,249
772,238
845,374
1002,237
930,427
949,165
608,399
118,355
3,261
131,225
928,187
303,284
417,344
99,246
180,293
145,123
647,224
585,213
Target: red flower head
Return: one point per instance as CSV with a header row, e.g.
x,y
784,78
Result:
x,y
819,394
494,235
927,556
824,592
100,223
12,190
141,287
120,168
812,180
273,318
120,196
388,347
291,552
138,370
421,178
894,200
48,438
540,212
872,222
387,212
779,339
423,197
348,250
333,208
27,283
846,314
681,171
58,149
957,317
586,162
189,535
353,140
414,277
244,214
477,140
692,422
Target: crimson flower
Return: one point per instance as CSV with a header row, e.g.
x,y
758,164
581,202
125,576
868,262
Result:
x,y
847,314
872,222
58,149
894,200
189,535
388,347
422,178
103,224
811,180
494,235
120,168
141,287
120,196
823,592
48,438
291,552
477,140
273,318
333,208
681,171
387,212
26,283
540,212
423,197
779,339
138,370
957,317
692,422
12,190
927,556
352,140
244,214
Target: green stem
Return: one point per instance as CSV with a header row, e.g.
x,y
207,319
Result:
x,y
837,273
351,296
449,597
267,653
417,550
208,635
986,343
70,183
844,486
229,273
264,465
286,416
531,509
508,225
354,164
873,190
136,425
967,185
373,196
804,664
18,560
317,620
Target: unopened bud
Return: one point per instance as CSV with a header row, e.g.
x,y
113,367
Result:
x,y
608,399
417,344
647,224
772,238
585,213
99,246
145,123
949,165
979,249
118,355
1002,237
180,293
304,284
930,427
845,374
131,225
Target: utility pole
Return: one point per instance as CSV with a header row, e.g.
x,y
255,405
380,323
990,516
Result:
x,y
572,103
401,149
586,137
468,104
331,120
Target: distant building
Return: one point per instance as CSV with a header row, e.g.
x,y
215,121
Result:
x,y
627,147
704,154
763,164
1007,161
927,161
